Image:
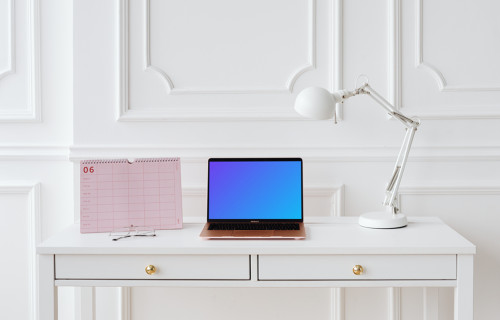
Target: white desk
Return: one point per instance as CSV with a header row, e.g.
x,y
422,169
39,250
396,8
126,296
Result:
x,y
426,253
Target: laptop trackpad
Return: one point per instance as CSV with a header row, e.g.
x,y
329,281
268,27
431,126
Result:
x,y
253,233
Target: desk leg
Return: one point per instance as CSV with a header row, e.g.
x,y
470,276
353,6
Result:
x,y
47,291
464,292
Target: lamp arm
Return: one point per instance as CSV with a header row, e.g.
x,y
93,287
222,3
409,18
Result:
x,y
411,125
392,188
366,89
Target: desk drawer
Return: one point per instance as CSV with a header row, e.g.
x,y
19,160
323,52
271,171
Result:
x,y
340,267
168,267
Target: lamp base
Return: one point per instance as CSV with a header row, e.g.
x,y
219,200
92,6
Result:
x,y
382,220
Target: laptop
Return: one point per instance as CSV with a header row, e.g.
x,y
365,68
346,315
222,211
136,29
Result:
x,y
254,198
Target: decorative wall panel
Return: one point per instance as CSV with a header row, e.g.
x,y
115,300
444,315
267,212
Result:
x,y
19,61
222,59
7,34
447,58
20,216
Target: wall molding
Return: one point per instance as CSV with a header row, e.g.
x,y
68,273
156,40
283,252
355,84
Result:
x,y
490,113
434,71
124,303
287,87
446,190
335,193
338,304
431,303
419,48
32,113
123,58
85,303
450,190
204,113
337,78
394,303
34,236
337,209
34,153
200,153
395,52
11,68
395,69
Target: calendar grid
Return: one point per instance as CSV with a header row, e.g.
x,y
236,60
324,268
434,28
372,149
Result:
x,y
118,194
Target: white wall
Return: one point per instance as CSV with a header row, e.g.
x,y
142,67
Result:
x,y
36,182
199,79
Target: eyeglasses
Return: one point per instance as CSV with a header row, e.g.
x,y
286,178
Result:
x,y
132,231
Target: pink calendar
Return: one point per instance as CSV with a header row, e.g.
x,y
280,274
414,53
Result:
x,y
117,194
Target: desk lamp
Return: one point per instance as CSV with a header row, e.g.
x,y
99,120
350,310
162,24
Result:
x,y
319,104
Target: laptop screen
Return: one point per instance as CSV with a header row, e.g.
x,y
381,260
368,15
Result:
x,y
255,189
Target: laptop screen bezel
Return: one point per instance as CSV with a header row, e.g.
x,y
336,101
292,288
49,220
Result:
x,y
257,160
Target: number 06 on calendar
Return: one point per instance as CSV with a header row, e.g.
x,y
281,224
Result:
x,y
117,194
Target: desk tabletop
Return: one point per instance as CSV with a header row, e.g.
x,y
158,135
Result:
x,y
337,235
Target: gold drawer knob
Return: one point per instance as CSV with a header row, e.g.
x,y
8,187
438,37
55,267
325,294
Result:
x,y
150,269
357,270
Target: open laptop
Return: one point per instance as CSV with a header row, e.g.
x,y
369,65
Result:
x,y
254,198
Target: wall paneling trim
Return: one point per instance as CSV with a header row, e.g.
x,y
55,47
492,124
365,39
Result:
x,y
449,101
201,153
286,87
7,64
11,111
33,235
438,75
189,107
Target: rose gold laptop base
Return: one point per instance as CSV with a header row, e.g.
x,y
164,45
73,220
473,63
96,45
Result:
x,y
253,234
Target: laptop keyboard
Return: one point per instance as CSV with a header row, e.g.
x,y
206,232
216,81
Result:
x,y
254,226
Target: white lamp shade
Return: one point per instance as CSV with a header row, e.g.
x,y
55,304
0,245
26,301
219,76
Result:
x,y
315,103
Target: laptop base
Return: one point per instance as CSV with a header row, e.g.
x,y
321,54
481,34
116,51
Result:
x,y
253,234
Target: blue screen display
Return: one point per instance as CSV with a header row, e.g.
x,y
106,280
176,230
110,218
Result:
x,y
255,190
